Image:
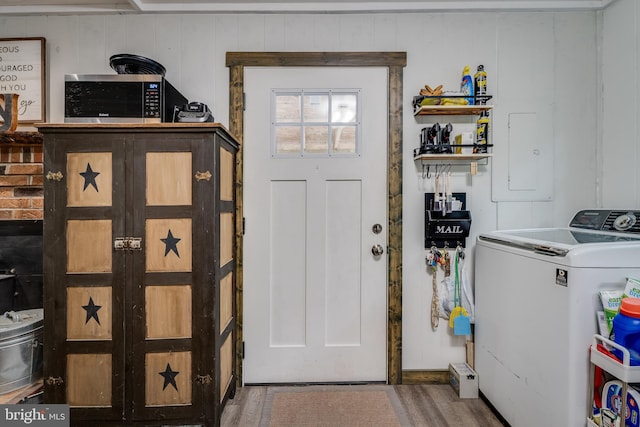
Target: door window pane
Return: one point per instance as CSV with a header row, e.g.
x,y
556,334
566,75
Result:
x,y
288,108
315,123
343,139
316,108
288,139
343,108
316,139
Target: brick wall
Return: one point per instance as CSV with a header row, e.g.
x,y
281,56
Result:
x,y
21,194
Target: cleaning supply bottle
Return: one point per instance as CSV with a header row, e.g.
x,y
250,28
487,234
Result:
x,y
466,85
480,85
482,134
626,329
482,124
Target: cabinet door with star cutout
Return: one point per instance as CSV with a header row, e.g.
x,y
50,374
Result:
x,y
165,197
83,275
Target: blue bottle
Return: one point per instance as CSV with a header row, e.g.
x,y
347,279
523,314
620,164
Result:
x,y
466,85
626,329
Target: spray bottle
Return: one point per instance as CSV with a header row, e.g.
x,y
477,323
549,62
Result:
x,y
482,125
480,85
466,84
482,134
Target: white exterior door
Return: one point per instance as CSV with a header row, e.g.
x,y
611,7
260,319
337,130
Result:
x,y
315,296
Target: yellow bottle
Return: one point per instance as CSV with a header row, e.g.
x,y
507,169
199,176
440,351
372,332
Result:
x,y
482,134
480,85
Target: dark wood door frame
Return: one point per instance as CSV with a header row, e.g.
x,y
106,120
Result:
x,y
395,62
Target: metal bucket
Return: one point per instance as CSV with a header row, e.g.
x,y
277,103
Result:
x,y
7,292
20,348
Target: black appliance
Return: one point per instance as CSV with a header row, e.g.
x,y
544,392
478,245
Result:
x,y
139,93
195,112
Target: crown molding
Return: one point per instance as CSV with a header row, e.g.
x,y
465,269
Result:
x,y
347,6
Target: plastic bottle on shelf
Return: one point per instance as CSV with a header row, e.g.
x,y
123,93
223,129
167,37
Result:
x,y
480,85
482,124
482,134
626,329
612,400
466,84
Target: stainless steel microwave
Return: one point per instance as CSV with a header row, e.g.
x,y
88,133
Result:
x,y
120,98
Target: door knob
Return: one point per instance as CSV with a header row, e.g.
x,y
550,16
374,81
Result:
x,y
377,250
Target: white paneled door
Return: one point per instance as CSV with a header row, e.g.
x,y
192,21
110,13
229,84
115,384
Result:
x,y
315,191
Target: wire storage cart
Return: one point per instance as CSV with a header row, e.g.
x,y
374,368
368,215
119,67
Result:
x,y
622,371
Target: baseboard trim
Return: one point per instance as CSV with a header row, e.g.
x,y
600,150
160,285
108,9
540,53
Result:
x,y
425,377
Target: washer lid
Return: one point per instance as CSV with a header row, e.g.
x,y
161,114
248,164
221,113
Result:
x,y
568,236
575,247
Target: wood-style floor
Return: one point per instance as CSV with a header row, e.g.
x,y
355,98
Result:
x,y
433,405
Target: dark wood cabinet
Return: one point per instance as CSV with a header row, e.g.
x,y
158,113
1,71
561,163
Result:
x,y
139,286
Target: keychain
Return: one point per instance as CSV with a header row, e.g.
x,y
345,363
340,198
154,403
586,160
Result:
x,y
433,259
445,261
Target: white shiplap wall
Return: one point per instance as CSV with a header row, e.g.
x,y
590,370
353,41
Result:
x,y
620,184
543,62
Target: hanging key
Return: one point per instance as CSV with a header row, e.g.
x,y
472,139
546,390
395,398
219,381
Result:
x,y
446,263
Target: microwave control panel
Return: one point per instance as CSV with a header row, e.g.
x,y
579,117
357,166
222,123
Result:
x,y
152,100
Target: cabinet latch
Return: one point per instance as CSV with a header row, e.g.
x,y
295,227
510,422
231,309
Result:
x,y
127,244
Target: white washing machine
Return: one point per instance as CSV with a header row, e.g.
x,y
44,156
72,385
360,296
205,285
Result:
x,y
536,295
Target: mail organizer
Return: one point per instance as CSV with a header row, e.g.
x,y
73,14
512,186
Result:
x,y
445,227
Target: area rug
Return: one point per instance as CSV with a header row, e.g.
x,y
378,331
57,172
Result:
x,y
333,406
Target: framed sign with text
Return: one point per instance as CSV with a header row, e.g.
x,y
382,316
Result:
x,y
22,71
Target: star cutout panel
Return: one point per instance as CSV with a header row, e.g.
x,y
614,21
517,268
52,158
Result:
x,y
169,377
92,311
89,177
89,314
171,244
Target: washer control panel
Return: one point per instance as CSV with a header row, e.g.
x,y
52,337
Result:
x,y
625,221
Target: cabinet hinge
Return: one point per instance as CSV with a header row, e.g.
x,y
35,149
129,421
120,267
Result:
x,y
54,381
244,224
54,176
203,379
243,349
